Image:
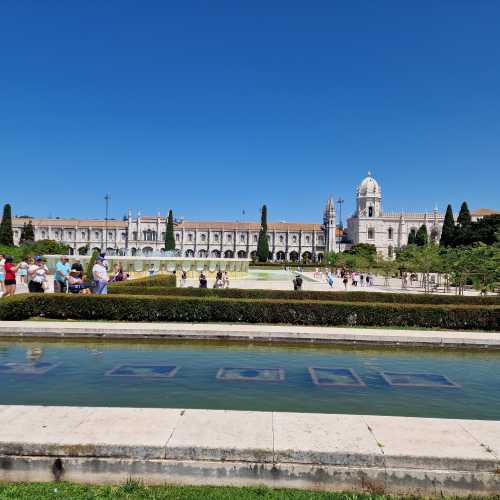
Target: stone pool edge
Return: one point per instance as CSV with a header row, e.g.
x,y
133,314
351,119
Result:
x,y
398,455
254,333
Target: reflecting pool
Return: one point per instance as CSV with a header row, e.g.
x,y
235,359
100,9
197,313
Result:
x,y
297,378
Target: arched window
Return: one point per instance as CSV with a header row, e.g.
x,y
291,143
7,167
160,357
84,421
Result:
x,y
177,237
229,237
84,234
389,233
43,235
255,238
370,211
294,238
203,237
371,233
216,238
190,237
242,239
282,239
308,239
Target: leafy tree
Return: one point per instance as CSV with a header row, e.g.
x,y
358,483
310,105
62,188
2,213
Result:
x,y
27,233
83,250
448,232
411,237
6,234
422,238
169,235
263,244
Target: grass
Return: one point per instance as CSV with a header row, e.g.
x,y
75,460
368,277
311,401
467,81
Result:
x,y
136,490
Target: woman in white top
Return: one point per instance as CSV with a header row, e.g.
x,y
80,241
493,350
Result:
x,y
2,272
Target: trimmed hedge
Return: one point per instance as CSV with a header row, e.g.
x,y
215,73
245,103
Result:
x,y
160,280
351,296
297,312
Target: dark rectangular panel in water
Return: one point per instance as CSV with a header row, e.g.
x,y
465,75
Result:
x,y
340,377
164,371
418,380
252,374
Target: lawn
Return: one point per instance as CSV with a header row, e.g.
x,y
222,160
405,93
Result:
x,y
134,490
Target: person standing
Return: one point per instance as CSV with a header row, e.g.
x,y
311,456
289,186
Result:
x,y
203,281
10,277
183,279
226,279
23,271
77,266
100,276
62,272
2,272
37,276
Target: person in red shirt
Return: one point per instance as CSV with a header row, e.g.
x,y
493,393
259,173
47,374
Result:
x,y
10,277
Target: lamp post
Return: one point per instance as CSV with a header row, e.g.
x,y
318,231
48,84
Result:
x,y
339,203
107,198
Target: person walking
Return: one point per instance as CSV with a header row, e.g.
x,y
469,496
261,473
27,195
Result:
x,y
10,277
100,277
203,281
345,280
226,279
62,272
23,271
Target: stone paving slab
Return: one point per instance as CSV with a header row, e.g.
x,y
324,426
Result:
x,y
222,435
417,443
324,439
218,331
86,431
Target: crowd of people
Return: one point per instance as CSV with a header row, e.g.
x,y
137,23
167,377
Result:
x,y
33,272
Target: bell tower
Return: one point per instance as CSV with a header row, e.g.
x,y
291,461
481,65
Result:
x,y
329,223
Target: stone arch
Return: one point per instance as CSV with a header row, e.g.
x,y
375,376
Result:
x,y
242,254
202,253
253,255
320,257
216,253
280,255
147,251
307,256
133,251
294,256
189,253
228,254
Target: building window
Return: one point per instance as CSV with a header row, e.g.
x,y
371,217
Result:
x,y
255,238
282,239
308,239
57,234
294,238
110,234
242,238
389,233
124,236
229,237
371,233
177,237
43,235
389,251
70,234
96,234
203,237
190,237
321,240
84,234
216,238
134,235
370,211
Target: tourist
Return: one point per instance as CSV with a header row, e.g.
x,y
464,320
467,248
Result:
x,y
203,281
100,276
9,277
219,283
23,271
354,279
297,283
77,266
183,279
118,274
345,280
62,271
2,272
76,284
37,276
226,279
151,270
329,279
369,280
104,260
361,280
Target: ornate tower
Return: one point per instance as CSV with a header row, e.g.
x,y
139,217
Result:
x,y
329,222
368,198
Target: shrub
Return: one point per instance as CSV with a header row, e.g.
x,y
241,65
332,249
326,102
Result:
x,y
297,312
160,282
240,293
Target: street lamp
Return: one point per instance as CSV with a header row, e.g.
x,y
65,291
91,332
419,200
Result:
x,y
339,203
107,198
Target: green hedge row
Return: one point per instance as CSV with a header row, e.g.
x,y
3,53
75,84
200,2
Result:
x,y
160,280
351,296
297,312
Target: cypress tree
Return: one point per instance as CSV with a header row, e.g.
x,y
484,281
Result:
x,y
464,218
27,234
169,234
6,234
90,265
422,238
263,244
411,237
448,231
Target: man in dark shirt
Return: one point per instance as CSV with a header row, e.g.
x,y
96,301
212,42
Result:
x,y
77,266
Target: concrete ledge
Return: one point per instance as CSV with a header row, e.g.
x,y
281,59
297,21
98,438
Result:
x,y
332,452
255,333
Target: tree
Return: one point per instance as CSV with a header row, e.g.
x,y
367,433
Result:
x,y
422,238
27,234
6,234
169,235
90,265
263,244
448,232
464,218
411,237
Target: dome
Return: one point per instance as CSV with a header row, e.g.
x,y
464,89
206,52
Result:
x,y
368,186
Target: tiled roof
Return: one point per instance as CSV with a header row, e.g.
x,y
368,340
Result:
x,y
16,221
482,212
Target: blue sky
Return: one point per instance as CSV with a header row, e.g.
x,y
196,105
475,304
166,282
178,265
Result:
x,y
215,107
